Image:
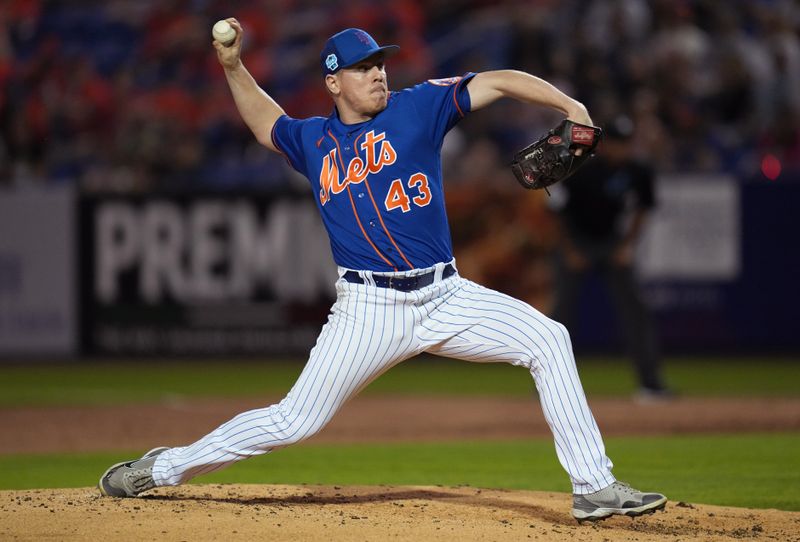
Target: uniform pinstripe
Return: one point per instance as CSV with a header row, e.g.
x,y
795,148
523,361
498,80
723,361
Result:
x,y
377,181
371,329
374,166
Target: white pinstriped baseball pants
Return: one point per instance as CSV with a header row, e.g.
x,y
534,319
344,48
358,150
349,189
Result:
x,y
371,329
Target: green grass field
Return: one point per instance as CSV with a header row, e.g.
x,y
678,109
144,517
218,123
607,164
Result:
x,y
751,470
737,470
107,383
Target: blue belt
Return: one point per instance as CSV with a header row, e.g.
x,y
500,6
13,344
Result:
x,y
404,284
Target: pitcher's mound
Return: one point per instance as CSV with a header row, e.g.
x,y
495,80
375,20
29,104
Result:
x,y
358,513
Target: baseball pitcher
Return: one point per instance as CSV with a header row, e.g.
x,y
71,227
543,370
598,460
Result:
x,y
374,166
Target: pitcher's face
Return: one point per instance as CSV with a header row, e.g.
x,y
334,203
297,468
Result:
x,y
361,89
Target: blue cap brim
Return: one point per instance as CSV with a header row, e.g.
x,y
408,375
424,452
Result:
x,y
387,50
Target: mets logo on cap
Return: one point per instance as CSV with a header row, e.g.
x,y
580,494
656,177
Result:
x,y
363,37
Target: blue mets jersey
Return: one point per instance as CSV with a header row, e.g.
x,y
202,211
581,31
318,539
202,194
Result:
x,y
378,184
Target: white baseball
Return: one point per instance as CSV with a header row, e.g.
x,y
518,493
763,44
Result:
x,y
223,32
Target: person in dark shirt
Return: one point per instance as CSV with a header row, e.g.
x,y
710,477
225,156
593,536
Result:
x,y
601,210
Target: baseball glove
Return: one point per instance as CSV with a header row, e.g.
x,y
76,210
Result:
x,y
552,158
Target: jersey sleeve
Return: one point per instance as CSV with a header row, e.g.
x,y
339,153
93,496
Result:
x,y
287,136
441,103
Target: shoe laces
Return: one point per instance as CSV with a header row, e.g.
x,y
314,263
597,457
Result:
x,y
140,479
626,488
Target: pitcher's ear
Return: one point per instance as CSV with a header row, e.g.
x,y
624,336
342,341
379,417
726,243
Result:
x,y
332,84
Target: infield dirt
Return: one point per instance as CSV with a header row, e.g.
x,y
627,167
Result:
x,y
332,513
178,422
295,513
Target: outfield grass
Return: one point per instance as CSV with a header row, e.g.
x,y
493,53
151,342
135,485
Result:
x,y
147,381
752,470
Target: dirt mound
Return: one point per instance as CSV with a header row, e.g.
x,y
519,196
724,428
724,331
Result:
x,y
291,513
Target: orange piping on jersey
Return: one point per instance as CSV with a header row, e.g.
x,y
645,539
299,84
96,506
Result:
x,y
366,183
355,212
358,175
353,203
455,88
355,142
278,147
353,173
410,266
319,142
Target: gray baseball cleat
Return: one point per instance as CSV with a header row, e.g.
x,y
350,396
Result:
x,y
129,478
618,498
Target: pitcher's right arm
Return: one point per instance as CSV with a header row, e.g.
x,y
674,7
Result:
x,y
257,108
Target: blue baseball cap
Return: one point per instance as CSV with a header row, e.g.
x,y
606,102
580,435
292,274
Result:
x,y
349,47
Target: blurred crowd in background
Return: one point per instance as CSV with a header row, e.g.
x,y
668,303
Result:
x,y
128,96
123,96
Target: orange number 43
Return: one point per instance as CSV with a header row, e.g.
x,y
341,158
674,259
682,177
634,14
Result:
x,y
398,198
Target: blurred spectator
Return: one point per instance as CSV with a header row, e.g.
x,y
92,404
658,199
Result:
x,y
126,96
601,210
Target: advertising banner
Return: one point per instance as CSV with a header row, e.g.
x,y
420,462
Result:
x,y
194,275
37,278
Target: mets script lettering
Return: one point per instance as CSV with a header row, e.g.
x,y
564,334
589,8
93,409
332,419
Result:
x,y
378,152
